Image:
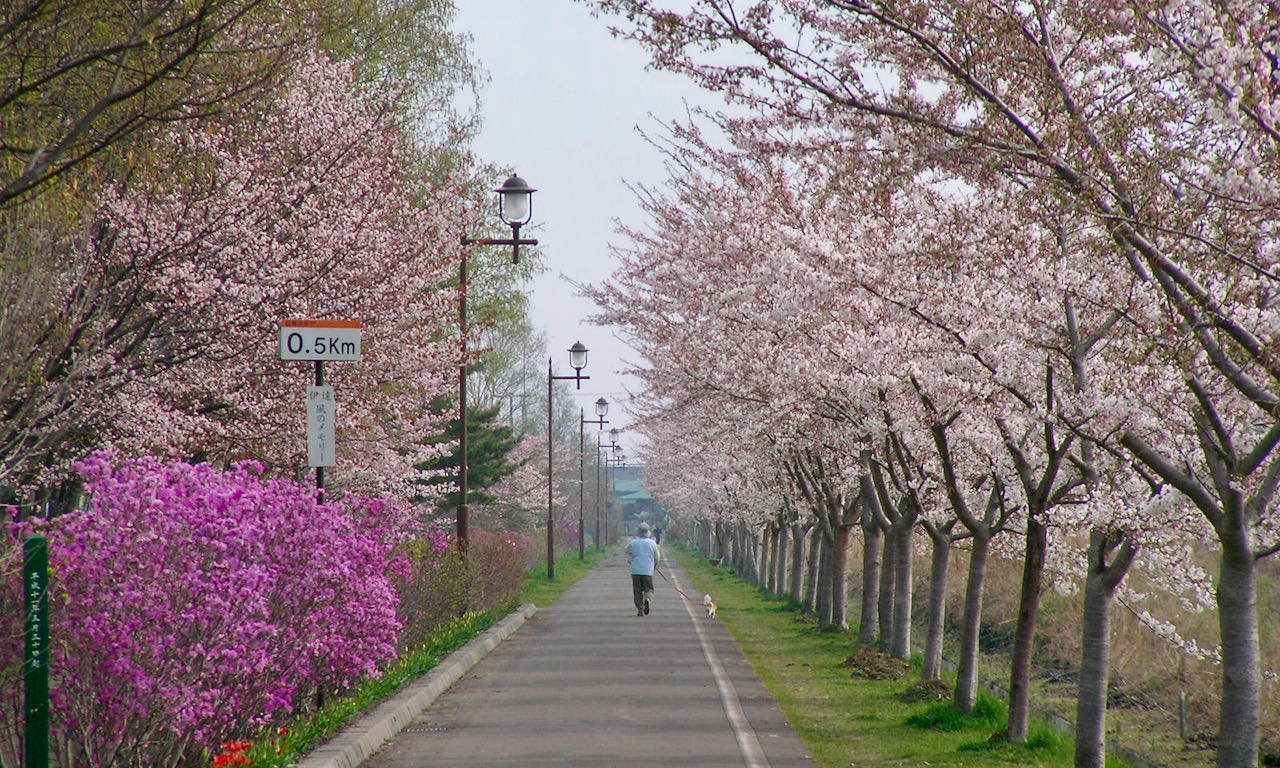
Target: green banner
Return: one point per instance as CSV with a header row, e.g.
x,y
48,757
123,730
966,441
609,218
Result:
x,y
35,574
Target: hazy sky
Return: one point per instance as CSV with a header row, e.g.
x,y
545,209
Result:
x,y
562,107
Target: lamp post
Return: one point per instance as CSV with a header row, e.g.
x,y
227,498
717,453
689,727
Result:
x,y
602,409
515,208
577,361
599,497
619,460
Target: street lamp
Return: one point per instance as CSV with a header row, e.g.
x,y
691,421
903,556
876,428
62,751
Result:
x,y
515,207
577,361
619,460
599,496
602,409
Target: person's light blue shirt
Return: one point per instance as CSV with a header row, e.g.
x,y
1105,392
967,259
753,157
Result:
x,y
643,554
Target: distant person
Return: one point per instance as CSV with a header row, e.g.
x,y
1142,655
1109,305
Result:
x,y
657,535
642,553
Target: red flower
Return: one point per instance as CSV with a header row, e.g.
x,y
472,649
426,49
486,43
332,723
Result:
x,y
233,755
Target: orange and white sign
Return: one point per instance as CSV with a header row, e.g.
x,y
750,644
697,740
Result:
x,y
319,339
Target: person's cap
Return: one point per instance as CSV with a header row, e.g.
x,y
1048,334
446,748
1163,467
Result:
x,y
644,528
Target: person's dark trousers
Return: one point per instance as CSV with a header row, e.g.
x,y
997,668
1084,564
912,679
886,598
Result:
x,y
640,586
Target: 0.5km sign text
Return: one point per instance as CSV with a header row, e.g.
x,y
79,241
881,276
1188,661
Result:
x,y
319,339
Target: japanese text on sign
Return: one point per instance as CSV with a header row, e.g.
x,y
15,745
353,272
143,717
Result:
x,y
321,429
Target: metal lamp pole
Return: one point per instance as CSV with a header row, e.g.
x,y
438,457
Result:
x,y
599,495
515,208
577,361
602,408
618,461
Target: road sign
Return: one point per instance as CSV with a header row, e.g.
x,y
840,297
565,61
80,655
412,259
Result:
x,y
319,339
322,437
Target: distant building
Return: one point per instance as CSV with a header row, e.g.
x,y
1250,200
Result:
x,y
637,503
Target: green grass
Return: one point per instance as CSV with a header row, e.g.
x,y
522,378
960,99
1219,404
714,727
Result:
x,y
277,750
849,721
988,712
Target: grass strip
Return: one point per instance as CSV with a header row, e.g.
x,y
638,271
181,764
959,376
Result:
x,y
846,720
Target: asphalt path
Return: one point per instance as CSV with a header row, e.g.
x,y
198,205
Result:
x,y
587,683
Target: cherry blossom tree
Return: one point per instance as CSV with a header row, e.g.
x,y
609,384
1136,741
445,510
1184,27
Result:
x,y
86,86
1156,123
947,327
182,279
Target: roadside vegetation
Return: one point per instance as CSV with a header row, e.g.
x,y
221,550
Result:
x,y
284,745
862,710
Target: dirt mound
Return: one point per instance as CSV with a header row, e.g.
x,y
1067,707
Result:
x,y
929,690
874,665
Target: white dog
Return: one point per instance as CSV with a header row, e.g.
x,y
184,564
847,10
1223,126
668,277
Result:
x,y
711,606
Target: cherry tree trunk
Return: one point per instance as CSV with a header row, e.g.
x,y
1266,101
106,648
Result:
x,y
781,538
941,541
1024,634
902,574
736,558
771,578
751,548
742,552
813,575
872,564
796,578
1100,587
840,578
885,599
825,576
1091,704
765,578
1238,623
966,695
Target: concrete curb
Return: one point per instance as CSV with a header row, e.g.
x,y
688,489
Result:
x,y
364,736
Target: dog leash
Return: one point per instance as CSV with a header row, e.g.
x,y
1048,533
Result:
x,y
681,591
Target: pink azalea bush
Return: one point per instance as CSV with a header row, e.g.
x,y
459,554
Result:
x,y
188,604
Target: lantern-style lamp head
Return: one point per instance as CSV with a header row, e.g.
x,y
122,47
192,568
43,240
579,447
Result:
x,y
577,356
613,436
515,207
515,203
602,407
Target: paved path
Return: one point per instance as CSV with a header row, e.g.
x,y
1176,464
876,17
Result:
x,y
586,683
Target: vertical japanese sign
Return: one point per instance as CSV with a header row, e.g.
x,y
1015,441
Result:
x,y
321,434
35,576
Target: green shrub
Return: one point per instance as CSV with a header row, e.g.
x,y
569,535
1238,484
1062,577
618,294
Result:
x,y
988,712
1043,739
442,583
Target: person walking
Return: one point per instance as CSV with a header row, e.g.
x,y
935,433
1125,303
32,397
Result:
x,y
642,553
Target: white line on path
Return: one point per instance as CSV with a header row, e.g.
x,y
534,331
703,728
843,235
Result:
x,y
748,744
